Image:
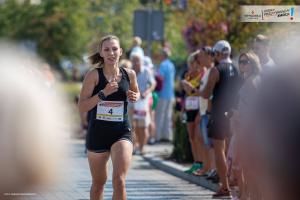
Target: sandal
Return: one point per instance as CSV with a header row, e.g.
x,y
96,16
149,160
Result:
x,y
222,193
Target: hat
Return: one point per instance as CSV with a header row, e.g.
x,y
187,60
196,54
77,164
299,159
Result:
x,y
223,47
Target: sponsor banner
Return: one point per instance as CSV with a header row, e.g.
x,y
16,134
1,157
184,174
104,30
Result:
x,y
270,13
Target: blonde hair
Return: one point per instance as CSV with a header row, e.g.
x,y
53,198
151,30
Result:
x,y
192,57
137,41
96,58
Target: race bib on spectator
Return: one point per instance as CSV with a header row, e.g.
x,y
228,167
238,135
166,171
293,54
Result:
x,y
192,103
110,111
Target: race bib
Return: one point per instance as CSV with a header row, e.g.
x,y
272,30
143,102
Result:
x,y
192,103
140,108
110,111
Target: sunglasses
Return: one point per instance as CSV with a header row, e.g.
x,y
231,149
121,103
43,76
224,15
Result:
x,y
244,62
208,51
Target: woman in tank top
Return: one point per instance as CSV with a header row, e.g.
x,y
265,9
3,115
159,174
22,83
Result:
x,y
191,84
104,95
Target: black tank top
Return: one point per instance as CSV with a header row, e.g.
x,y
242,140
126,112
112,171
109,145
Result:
x,y
120,95
226,89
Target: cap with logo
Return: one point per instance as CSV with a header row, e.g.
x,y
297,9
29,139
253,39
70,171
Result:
x,y
222,46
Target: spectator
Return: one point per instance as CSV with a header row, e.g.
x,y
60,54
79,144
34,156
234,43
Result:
x,y
153,101
164,111
136,47
146,84
262,48
222,84
191,83
205,58
250,68
274,140
34,119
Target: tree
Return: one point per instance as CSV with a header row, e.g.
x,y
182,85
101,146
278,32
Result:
x,y
113,17
59,28
210,21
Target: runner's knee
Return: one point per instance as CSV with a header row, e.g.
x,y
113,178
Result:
x,y
99,183
118,181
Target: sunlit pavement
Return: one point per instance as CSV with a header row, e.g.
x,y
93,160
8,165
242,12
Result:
x,y
143,182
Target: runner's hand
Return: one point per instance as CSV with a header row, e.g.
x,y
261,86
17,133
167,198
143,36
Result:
x,y
132,96
110,88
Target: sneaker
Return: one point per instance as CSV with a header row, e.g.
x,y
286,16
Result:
x,y
216,179
194,167
165,140
222,193
208,173
151,141
136,151
212,174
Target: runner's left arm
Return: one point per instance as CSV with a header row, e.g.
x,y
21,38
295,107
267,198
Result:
x,y
133,93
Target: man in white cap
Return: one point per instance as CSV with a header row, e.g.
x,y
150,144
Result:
x,y
222,50
222,86
261,47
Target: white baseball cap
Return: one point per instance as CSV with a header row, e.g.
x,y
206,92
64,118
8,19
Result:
x,y
222,46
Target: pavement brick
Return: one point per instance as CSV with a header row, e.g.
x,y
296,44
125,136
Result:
x,y
144,182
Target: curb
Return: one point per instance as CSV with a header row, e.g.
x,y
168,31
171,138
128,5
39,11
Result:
x,y
178,171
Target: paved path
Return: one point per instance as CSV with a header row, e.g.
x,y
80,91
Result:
x,y
144,182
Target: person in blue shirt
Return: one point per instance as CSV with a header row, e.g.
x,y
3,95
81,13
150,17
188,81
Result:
x,y
164,112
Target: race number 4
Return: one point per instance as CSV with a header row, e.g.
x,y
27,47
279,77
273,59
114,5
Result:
x,y
110,111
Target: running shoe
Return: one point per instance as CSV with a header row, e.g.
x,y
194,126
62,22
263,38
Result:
x,y
194,167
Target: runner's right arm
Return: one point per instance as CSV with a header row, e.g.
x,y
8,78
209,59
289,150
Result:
x,y
86,100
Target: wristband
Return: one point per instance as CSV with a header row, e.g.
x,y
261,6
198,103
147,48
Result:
x,y
101,95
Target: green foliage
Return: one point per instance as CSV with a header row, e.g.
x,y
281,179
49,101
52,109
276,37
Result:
x,y
113,17
71,89
66,26
182,149
64,29
59,28
174,22
206,22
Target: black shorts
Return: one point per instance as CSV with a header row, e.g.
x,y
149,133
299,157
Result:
x,y
191,115
219,128
101,136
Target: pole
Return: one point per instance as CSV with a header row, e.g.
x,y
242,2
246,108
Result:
x,y
149,32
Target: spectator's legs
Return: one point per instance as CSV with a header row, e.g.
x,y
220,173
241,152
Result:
x,y
142,137
195,140
192,139
207,151
159,117
167,130
219,147
198,139
135,137
152,126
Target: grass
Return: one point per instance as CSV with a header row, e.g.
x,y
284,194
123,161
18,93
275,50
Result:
x,y
71,89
